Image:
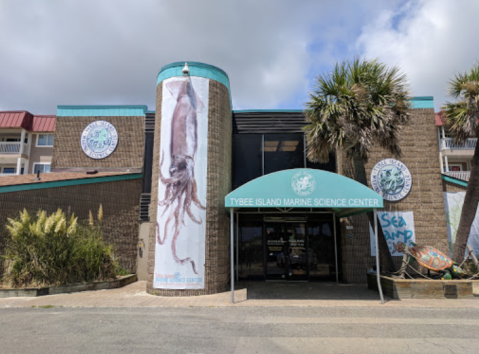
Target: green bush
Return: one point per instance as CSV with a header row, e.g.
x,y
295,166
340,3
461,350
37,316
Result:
x,y
46,250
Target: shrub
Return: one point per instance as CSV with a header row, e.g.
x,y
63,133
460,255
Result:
x,y
46,250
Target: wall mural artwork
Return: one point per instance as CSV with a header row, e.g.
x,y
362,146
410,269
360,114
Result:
x,y
391,179
180,228
453,202
99,139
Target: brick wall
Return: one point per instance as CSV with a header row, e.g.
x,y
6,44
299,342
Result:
x,y
218,185
452,187
120,200
67,151
421,155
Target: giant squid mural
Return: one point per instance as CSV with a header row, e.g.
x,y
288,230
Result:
x,y
179,201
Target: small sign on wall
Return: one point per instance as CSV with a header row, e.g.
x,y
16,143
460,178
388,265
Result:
x,y
99,139
391,179
398,228
349,232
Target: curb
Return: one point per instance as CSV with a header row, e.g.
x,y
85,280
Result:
x,y
66,289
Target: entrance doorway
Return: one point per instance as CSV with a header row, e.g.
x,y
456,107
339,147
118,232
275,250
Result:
x,y
286,256
276,248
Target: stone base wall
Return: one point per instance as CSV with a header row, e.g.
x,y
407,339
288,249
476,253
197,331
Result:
x,y
218,186
420,153
120,201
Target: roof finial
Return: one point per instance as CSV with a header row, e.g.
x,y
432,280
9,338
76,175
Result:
x,y
186,69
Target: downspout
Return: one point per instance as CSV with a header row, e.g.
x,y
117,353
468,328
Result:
x,y
378,272
232,249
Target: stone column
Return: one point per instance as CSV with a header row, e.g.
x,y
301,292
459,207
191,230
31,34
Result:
x,y
217,184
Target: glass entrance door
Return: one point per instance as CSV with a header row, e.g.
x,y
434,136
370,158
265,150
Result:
x,y
286,256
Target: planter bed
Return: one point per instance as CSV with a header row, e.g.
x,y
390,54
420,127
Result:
x,y
425,289
65,289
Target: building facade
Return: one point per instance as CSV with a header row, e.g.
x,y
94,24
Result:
x,y
172,169
26,142
455,159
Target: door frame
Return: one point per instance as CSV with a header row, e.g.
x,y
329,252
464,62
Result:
x,y
287,277
298,216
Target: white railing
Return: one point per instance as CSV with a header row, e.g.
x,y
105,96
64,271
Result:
x,y
7,174
13,148
448,143
464,175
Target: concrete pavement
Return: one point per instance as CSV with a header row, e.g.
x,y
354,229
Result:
x,y
239,330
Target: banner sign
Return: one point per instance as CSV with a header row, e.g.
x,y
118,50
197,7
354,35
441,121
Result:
x,y
180,222
453,202
398,229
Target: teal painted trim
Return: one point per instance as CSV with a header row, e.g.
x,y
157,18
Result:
x,y
196,63
102,111
459,182
268,110
196,69
423,102
322,189
150,111
67,183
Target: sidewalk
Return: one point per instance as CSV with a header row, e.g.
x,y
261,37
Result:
x,y
247,294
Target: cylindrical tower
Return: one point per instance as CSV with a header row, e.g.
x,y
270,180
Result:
x,y
191,176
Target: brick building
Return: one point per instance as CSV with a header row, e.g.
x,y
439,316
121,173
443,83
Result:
x,y
163,178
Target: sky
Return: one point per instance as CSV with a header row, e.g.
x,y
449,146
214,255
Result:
x,y
88,52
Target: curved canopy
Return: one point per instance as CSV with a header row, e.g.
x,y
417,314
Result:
x,y
305,188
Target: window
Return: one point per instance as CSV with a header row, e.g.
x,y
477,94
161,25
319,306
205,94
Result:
x,y
247,158
258,154
283,152
45,139
9,170
41,167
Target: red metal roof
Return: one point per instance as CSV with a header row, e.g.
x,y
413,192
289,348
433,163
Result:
x,y
44,123
15,119
439,118
25,120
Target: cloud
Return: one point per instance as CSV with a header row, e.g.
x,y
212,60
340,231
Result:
x,y
109,52
431,40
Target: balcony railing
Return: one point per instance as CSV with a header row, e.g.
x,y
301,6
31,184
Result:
x,y
464,175
448,143
13,147
7,174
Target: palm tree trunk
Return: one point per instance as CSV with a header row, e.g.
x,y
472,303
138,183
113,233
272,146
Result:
x,y
469,209
385,257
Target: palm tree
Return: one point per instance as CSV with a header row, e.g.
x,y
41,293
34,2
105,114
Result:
x,y
462,122
358,104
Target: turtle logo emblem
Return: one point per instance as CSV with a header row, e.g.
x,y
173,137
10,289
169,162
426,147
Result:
x,y
303,183
99,139
391,179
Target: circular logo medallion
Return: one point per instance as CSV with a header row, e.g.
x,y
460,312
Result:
x,y
303,183
99,139
391,179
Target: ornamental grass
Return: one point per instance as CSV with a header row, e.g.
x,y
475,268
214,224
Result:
x,y
46,250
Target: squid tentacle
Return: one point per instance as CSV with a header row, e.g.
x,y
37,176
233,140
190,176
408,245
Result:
x,y
194,196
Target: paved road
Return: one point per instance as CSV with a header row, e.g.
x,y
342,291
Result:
x,y
243,330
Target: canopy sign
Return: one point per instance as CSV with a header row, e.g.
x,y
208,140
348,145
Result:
x,y
304,188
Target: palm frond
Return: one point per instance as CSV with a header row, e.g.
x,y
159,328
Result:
x,y
359,103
